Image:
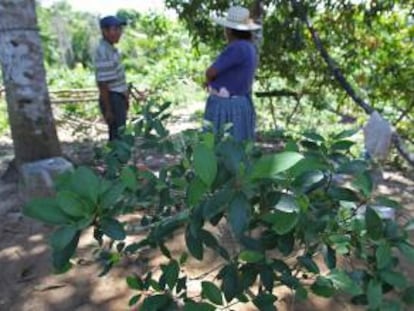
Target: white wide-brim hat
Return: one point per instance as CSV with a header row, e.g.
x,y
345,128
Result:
x,y
237,18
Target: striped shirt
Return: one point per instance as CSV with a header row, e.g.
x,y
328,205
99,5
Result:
x,y
109,68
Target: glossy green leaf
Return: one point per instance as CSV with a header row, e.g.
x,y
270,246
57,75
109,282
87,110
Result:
x,y
408,296
373,223
113,228
383,255
46,210
134,282
61,257
198,306
314,136
323,287
394,278
194,244
265,302
196,189
129,178
73,205
408,250
211,292
271,165
62,237
205,164
342,281
171,273
86,183
342,145
309,181
283,222
363,182
374,294
346,133
250,256
239,214
156,303
134,300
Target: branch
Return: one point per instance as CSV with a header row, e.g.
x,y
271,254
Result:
x,y
279,93
337,73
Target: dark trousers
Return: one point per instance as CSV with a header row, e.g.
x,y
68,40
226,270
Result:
x,y
118,105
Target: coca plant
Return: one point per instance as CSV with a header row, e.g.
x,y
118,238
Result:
x,y
285,209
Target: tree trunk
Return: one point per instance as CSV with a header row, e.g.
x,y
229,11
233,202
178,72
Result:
x,y
28,104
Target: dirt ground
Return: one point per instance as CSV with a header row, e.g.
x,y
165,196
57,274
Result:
x,y
27,282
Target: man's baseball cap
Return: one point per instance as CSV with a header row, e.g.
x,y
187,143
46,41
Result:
x,y
111,21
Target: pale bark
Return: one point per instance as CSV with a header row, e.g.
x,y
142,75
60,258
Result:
x,y
28,104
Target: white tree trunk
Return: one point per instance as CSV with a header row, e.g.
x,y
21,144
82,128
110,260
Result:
x,y
21,56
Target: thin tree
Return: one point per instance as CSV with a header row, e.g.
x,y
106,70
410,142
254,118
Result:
x,y
30,115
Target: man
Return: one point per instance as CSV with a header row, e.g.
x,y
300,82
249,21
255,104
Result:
x,y
110,76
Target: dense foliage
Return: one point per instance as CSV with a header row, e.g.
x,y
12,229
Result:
x,y
309,200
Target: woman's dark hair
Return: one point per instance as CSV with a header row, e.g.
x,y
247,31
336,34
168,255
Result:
x,y
243,35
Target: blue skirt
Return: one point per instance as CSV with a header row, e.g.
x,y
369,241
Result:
x,y
237,110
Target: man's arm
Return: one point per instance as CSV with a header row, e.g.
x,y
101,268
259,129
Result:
x,y
104,95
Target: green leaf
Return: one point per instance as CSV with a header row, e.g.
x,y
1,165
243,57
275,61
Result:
x,y
156,303
363,182
129,178
323,287
265,302
62,237
196,190
329,255
250,256
72,204
110,197
408,295
283,222
343,194
384,201
314,136
342,281
134,300
383,255
86,183
194,244
198,306
374,294
46,210
373,224
211,292
393,278
230,281
239,214
391,305
301,294
171,273
205,164
309,264
407,250
346,134
134,282
309,181
113,229
61,257
342,145
271,165
353,167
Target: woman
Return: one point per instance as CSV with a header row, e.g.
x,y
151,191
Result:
x,y
230,78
